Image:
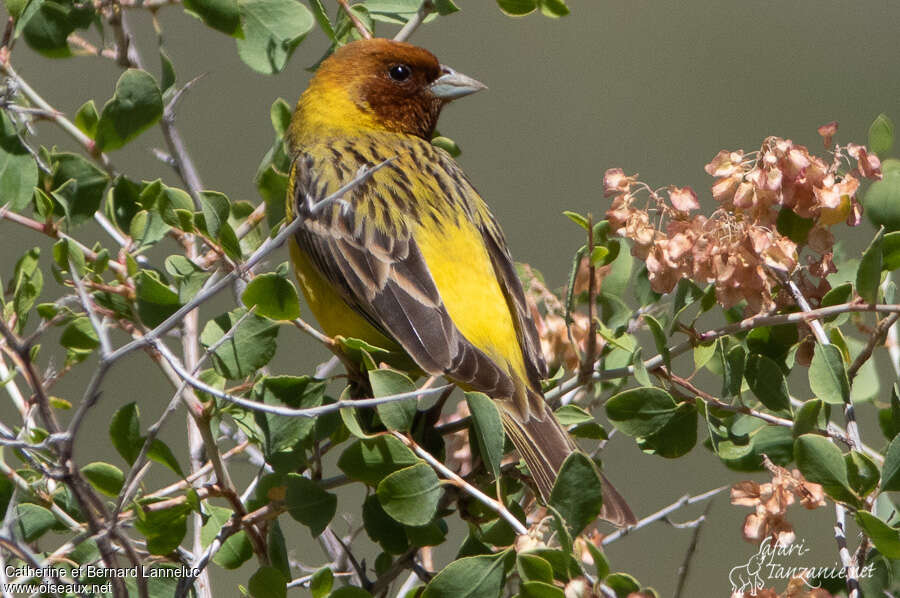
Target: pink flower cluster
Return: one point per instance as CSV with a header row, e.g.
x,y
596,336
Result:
x,y
739,245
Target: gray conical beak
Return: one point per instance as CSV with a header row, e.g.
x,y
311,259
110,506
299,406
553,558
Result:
x,y
451,85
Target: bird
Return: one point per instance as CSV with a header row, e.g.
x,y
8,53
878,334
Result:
x,y
411,259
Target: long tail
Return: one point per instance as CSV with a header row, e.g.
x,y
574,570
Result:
x,y
544,445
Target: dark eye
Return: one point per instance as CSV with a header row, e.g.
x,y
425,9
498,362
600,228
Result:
x,y
399,72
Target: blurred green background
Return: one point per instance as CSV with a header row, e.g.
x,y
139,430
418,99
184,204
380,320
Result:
x,y
653,87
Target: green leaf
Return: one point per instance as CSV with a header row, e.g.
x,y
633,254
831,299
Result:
x,y
881,135
274,297
106,478
33,521
577,493
767,382
640,411
236,549
324,22
309,504
155,300
87,118
446,144
411,495
135,107
622,584
806,419
216,208
861,472
890,472
125,432
517,8
277,548
774,342
553,8
885,537
46,25
841,294
577,218
221,15
471,577
18,170
868,276
160,452
828,376
272,186
393,11
350,592
79,336
250,347
369,460
27,284
540,589
533,568
65,250
733,361
84,194
890,255
268,582
677,437
821,462
396,415
445,7
488,429
383,529
272,29
167,75
165,529
189,276
283,434
321,582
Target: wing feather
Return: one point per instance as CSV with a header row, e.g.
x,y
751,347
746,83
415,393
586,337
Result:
x,y
376,265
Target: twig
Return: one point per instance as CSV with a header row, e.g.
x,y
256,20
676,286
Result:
x,y
663,513
425,9
54,233
875,339
846,560
586,366
360,27
448,473
850,568
691,551
287,411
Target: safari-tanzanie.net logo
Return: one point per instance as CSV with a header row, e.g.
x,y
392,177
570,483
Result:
x,y
776,563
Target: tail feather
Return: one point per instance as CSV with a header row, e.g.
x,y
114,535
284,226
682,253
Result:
x,y
544,445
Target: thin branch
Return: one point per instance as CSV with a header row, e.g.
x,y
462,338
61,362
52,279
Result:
x,y
685,567
875,339
360,27
840,536
480,496
287,411
425,9
54,233
663,513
